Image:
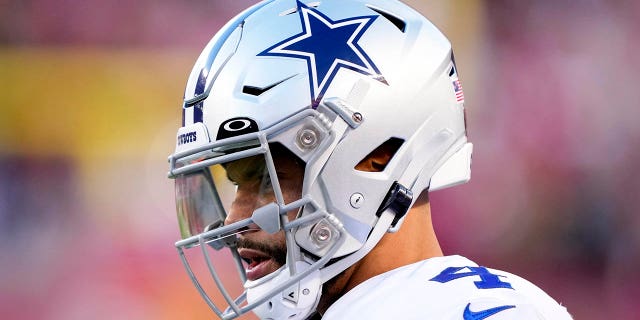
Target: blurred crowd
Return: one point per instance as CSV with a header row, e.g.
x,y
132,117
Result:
x,y
90,97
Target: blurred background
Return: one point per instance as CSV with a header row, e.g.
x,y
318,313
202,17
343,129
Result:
x,y
90,98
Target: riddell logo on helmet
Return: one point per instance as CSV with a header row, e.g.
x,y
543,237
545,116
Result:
x,y
187,137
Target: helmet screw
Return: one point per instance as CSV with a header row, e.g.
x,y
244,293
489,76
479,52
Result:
x,y
306,291
323,234
356,200
307,138
357,117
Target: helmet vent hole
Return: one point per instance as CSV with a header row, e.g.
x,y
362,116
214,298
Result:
x,y
256,90
397,21
377,160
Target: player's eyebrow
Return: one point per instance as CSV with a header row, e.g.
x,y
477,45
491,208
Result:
x,y
243,170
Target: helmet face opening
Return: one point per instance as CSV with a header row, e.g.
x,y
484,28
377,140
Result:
x,y
245,186
239,207
204,199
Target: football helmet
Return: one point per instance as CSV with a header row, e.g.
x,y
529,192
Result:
x,y
318,86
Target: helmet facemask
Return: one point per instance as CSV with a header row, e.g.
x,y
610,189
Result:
x,y
239,204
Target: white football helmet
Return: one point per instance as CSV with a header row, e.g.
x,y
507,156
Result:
x,y
330,81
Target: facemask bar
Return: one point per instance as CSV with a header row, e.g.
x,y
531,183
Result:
x,y
249,139
212,154
234,310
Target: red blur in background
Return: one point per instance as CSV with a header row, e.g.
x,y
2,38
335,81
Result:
x,y
90,98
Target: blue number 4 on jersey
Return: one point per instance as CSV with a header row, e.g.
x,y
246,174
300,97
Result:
x,y
488,280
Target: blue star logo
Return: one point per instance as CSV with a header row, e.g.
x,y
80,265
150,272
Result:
x,y
327,46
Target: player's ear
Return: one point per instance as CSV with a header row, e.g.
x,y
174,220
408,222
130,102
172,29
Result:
x,y
377,160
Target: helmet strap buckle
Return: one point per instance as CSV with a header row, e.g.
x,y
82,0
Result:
x,y
398,200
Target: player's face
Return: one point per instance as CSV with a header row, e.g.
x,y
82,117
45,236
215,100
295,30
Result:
x,y
262,252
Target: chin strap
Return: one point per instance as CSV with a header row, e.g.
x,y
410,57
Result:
x,y
386,219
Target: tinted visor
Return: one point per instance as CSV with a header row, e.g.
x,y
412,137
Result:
x,y
204,198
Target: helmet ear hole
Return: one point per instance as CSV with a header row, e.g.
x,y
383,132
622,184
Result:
x,y
377,160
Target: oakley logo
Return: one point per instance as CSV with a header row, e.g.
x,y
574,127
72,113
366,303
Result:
x,y
235,127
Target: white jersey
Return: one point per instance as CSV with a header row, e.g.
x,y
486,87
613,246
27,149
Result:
x,y
446,288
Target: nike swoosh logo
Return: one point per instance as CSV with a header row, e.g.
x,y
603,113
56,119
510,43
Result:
x,y
479,315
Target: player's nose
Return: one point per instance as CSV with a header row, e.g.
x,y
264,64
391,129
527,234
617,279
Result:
x,y
242,207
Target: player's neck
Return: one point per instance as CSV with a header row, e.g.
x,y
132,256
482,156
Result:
x,y
415,241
